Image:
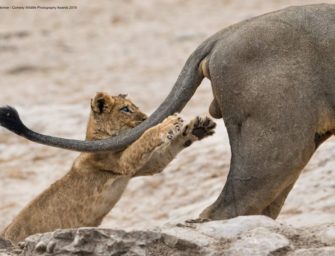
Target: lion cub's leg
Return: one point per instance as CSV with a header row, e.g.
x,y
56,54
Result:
x,y
159,136
195,130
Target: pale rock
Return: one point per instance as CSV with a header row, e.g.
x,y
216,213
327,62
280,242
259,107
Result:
x,y
328,235
259,242
231,228
186,233
323,251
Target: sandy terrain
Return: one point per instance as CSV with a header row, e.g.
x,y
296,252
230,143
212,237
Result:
x,y
53,62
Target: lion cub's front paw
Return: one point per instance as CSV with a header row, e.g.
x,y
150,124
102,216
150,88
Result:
x,y
170,128
200,127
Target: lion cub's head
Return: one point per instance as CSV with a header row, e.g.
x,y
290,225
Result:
x,y
111,115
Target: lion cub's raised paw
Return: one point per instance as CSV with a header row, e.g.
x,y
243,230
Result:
x,y
200,127
170,128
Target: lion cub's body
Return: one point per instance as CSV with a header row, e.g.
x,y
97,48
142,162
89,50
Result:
x,y
96,181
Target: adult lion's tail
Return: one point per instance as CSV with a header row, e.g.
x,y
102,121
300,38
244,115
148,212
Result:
x,y
184,88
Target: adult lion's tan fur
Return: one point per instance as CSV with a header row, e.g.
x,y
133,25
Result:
x,y
97,180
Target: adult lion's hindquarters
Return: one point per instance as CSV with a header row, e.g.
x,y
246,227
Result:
x,y
277,94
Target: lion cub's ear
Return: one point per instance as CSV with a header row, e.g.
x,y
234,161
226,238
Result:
x,y
102,103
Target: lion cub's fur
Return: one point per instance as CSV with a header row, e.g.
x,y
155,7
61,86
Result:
x,y
97,180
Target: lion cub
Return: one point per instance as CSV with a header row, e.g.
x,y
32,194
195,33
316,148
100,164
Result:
x,y
96,181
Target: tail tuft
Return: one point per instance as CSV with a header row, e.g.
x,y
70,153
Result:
x,y
10,119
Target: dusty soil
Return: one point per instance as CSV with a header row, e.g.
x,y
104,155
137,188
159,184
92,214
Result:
x,y
53,62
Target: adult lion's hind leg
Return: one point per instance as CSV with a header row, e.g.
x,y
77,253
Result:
x,y
265,164
275,207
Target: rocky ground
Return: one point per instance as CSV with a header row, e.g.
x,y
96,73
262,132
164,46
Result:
x,y
246,235
53,62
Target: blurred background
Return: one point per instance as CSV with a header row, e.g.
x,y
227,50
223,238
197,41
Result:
x,y
54,61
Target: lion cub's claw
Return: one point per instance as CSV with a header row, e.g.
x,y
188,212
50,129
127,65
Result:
x,y
171,128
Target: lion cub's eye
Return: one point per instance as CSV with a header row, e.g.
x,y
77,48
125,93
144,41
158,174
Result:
x,y
126,109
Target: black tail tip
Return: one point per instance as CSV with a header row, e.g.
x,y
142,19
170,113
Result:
x,y
10,119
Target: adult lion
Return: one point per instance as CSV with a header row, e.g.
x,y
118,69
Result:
x,y
273,80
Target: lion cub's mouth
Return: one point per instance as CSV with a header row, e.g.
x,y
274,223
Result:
x,y
125,127
134,123
138,122
128,126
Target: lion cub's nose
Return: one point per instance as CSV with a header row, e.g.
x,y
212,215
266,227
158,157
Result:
x,y
143,117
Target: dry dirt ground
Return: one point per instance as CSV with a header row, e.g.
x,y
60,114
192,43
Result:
x,y
53,62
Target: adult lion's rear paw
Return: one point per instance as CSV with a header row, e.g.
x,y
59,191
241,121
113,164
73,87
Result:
x,y
200,127
171,127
